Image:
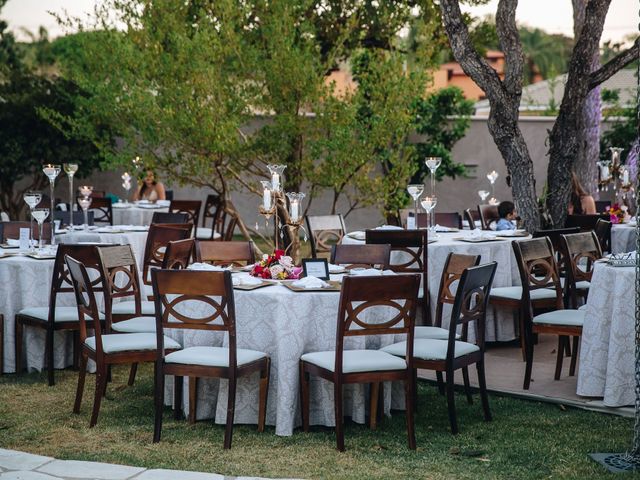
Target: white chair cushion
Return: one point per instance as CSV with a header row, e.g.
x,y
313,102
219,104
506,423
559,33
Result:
x,y
515,293
432,332
212,356
583,285
135,325
356,361
571,318
582,307
63,314
124,342
129,308
431,349
204,233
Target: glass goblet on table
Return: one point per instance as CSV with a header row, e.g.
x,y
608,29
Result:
x,y
415,190
32,199
429,203
40,214
85,203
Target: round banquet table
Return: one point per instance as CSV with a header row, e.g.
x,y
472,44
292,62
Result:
x,y
503,327
135,215
623,238
283,324
135,236
607,351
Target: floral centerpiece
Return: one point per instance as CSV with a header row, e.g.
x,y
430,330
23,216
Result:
x,y
277,266
617,213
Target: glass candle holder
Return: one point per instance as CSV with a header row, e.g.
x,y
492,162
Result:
x,y
276,172
295,206
52,172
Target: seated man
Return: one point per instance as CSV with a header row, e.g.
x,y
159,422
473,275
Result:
x,y
507,212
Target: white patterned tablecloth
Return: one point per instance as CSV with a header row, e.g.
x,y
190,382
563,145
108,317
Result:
x,y
135,215
607,351
507,275
623,238
112,235
285,325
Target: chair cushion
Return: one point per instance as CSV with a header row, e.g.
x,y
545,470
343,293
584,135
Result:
x,y
432,332
63,314
356,361
135,325
431,349
146,291
583,285
204,233
129,308
212,356
515,293
124,342
571,318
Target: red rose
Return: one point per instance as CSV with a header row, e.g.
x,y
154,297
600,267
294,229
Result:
x,y
266,274
278,254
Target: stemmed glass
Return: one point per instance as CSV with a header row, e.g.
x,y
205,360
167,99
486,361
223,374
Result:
x,y
52,172
492,177
429,203
85,203
40,214
70,169
32,199
415,190
483,195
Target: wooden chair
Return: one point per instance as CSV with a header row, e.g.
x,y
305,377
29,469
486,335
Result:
x,y
603,232
585,223
471,216
98,194
361,256
160,218
470,305
178,254
538,271
102,210
78,217
580,250
105,349
190,207
448,219
214,290
400,294
488,214
54,318
225,253
324,232
214,210
602,205
411,246
11,230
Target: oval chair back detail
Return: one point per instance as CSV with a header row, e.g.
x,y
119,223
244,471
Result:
x,y
236,253
324,232
363,256
581,250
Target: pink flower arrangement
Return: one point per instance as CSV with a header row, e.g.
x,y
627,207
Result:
x,y
277,266
616,213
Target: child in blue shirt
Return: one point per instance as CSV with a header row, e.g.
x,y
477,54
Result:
x,y
507,213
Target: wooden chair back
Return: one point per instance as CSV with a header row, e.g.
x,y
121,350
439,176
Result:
x,y
471,216
178,254
603,232
397,293
454,266
412,243
324,232
190,207
585,223
214,289
61,281
367,256
225,253
119,274
554,236
102,210
169,218
211,206
11,230
448,219
158,238
602,205
581,250
84,290
78,217
470,305
488,214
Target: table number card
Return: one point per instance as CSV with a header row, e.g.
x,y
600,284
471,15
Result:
x,y
411,222
316,267
24,239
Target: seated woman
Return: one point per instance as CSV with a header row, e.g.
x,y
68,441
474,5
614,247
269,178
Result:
x,y
580,203
150,189
507,213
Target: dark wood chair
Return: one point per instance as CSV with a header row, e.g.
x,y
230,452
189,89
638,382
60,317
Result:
x,y
178,254
470,305
225,253
471,216
411,246
78,217
324,232
54,318
585,223
603,205
105,349
102,210
98,193
215,290
488,214
160,218
215,211
580,250
361,256
190,207
11,230
603,232
341,366
538,271
448,219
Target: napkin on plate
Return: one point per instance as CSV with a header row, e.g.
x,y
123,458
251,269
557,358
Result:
x,y
206,266
440,228
163,203
357,235
369,272
246,280
121,205
12,242
310,282
389,227
335,268
480,235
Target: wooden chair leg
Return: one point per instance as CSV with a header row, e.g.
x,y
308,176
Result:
x,y
467,385
337,401
264,393
193,399
574,357
440,380
82,374
49,353
76,349
484,397
304,397
523,336
529,359
231,407
178,382
567,347
562,340
158,401
451,403
132,374
373,404
101,380
19,334
409,394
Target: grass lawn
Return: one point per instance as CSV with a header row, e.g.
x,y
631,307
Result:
x,y
525,440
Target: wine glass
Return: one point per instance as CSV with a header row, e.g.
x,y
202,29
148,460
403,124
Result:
x,y
70,169
52,172
415,190
432,164
483,194
40,214
429,203
32,199
85,203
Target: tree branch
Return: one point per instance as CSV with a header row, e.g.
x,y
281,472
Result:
x,y
614,65
511,46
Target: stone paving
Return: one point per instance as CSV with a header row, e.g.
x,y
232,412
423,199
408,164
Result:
x,y
16,465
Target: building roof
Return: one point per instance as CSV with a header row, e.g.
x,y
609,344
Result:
x,y
541,95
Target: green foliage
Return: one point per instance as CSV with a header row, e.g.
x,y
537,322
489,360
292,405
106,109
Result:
x,y
624,126
548,53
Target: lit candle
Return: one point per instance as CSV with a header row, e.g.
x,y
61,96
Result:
x,y
275,181
294,211
625,177
266,199
604,172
